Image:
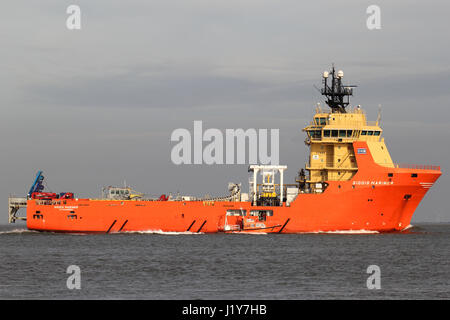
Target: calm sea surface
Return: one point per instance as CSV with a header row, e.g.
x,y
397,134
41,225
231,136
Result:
x,y
413,265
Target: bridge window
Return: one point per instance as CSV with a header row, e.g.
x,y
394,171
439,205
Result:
x,y
316,134
320,121
342,133
349,133
376,133
326,133
364,132
370,133
334,133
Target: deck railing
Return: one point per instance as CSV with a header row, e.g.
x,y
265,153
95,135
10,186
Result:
x,y
417,166
345,124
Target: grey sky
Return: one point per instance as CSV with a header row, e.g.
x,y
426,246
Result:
x,y
96,106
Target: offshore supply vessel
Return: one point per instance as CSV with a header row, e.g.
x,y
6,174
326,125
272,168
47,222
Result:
x,y
349,183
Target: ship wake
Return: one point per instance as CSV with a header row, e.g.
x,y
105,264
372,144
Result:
x,y
362,231
170,233
18,231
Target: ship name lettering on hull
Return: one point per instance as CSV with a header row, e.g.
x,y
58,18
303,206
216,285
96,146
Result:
x,y
385,183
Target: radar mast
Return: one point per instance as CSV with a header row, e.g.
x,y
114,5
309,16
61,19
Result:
x,y
337,94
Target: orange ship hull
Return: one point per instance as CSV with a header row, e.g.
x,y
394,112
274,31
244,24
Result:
x,y
372,200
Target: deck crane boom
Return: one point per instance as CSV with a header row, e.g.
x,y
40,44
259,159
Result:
x,y
37,184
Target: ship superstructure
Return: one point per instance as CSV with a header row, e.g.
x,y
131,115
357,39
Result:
x,y
331,135
349,183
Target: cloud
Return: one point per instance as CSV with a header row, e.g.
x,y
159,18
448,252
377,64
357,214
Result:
x,y
147,90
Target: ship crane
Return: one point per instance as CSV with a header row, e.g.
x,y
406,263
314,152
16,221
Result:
x,y
37,184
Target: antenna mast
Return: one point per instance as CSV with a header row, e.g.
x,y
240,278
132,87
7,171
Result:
x,y
337,94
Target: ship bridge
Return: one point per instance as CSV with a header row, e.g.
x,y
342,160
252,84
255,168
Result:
x,y
331,135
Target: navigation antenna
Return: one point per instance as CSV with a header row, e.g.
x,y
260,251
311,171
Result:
x,y
337,94
379,115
